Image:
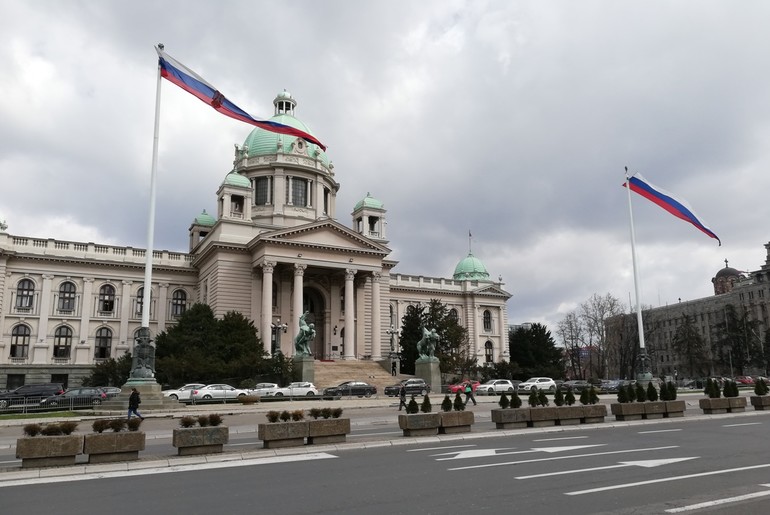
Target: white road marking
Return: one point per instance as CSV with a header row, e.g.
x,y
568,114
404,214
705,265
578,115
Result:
x,y
718,502
481,453
167,470
441,448
746,424
554,458
642,463
658,431
555,439
665,479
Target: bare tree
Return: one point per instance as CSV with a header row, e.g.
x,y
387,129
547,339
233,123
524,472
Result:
x,y
571,331
593,314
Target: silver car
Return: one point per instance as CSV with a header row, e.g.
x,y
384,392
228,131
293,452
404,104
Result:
x,y
222,392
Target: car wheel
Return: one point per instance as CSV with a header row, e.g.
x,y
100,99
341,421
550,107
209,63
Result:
x,y
96,402
278,394
3,404
424,392
207,397
510,388
174,396
368,394
310,394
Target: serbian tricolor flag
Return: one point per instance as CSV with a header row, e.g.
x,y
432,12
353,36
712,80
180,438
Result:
x,y
677,207
174,71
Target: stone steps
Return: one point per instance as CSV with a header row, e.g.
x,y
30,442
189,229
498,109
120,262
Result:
x,y
332,373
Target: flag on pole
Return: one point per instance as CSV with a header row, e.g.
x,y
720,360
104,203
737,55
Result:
x,y
177,73
677,207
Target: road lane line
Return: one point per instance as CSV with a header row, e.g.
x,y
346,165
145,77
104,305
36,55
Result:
x,y
746,424
441,448
665,479
658,431
554,458
643,463
709,504
555,439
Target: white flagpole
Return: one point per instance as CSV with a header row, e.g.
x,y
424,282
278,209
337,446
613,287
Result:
x,y
636,271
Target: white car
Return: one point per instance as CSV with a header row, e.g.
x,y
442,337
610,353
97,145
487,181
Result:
x,y
495,386
264,389
294,389
183,393
538,383
223,392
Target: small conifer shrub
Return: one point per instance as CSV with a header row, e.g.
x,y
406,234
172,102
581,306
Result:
x,y
623,394
326,412
272,416
426,407
118,424
412,406
187,421
584,397
297,415
558,397
336,412
760,387
314,412
631,393
641,395
652,392
504,402
593,396
569,399
203,420
446,404
542,398
100,425
532,400
515,400
32,429
458,404
134,423
285,416
215,419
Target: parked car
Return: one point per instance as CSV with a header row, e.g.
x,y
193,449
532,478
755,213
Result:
x,y
576,385
538,383
744,380
460,387
30,392
76,398
294,389
183,392
264,389
414,386
496,386
610,385
111,391
222,392
350,389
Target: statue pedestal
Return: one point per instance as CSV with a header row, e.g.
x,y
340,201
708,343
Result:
x,y
428,369
149,390
304,367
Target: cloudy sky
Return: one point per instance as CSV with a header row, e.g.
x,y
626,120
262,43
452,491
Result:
x,y
512,120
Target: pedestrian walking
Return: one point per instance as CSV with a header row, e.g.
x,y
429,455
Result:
x,y
469,393
393,368
402,396
133,404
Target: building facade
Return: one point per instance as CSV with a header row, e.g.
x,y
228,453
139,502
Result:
x,y
274,250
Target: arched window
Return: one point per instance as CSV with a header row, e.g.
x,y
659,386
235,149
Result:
x,y
62,342
67,297
487,321
20,341
103,348
489,352
140,300
453,314
178,303
106,299
25,295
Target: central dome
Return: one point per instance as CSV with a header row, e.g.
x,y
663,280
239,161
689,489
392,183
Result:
x,y
261,142
470,268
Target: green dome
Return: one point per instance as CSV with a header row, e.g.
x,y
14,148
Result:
x,y
205,219
470,268
261,142
370,202
236,179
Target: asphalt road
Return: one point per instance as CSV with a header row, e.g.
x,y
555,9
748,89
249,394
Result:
x,y
699,464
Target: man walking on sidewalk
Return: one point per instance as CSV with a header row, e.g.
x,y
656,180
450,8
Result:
x,y
402,397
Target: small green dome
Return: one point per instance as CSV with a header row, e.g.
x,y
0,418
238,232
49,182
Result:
x,y
470,268
205,219
261,142
370,202
235,179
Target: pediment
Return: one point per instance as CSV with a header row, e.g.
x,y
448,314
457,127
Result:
x,y
492,290
326,234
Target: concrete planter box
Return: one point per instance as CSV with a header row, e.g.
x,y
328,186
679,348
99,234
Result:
x,y
200,440
543,416
760,402
328,430
594,413
627,410
654,409
714,406
737,404
283,434
511,418
48,451
419,424
569,415
675,409
456,422
111,447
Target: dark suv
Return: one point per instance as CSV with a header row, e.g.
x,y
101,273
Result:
x,y
33,392
414,386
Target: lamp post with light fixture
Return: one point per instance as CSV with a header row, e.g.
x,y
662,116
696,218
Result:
x,y
393,355
277,328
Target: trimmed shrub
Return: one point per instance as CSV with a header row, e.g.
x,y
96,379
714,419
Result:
x,y
760,387
68,427
336,412
458,405
593,396
426,407
569,399
326,412
641,395
134,423
652,393
100,425
314,412
504,402
118,424
542,398
285,416
52,429
203,420
297,415
215,419
532,400
412,406
446,404
272,416
631,392
584,397
248,399
32,429
731,389
187,421
558,397
515,400
622,394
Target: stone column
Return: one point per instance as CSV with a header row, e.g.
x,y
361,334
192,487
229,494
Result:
x,y
350,315
40,346
162,306
299,272
267,299
376,318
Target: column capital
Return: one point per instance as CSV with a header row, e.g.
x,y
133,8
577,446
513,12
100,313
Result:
x,y
48,276
88,279
377,276
268,267
350,274
299,269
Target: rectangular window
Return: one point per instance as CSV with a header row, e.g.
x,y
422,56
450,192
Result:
x,y
262,191
299,192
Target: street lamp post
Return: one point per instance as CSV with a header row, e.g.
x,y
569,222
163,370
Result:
x,y
393,354
275,344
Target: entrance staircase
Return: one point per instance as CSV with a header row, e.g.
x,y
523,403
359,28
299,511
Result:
x,y
332,373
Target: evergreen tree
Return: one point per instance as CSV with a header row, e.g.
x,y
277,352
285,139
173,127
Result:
x,y
534,350
110,372
542,398
446,404
641,395
411,333
584,397
426,406
504,402
532,400
691,347
515,400
459,405
631,393
569,399
652,393
558,397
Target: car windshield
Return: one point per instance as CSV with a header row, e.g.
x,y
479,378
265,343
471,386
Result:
x,y
531,380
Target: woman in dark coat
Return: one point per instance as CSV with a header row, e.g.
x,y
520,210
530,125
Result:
x,y
133,404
